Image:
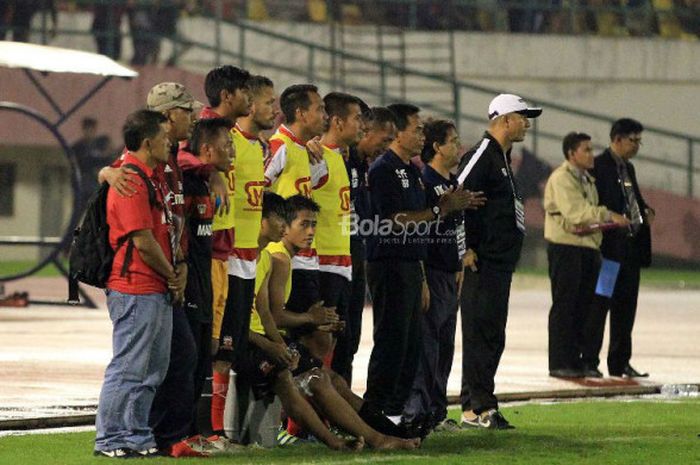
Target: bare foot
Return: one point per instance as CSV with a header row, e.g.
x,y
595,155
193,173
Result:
x,y
390,442
353,445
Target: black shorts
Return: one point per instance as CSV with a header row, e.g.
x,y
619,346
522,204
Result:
x,y
258,371
306,291
233,339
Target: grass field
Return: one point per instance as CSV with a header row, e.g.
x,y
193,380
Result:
x,y
601,432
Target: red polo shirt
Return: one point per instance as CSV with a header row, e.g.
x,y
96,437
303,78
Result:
x,y
126,215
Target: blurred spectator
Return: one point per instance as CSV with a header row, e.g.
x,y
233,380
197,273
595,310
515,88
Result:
x,y
18,14
92,152
165,22
688,14
106,28
531,174
142,24
639,18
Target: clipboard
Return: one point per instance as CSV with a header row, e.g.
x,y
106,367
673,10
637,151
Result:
x,y
607,277
595,227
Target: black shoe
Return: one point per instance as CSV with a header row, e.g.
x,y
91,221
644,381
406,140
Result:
x,y
592,372
413,429
493,419
566,373
629,372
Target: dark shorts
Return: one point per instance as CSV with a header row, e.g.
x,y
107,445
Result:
x,y
233,340
306,291
259,371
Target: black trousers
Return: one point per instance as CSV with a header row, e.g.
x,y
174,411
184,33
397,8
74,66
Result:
x,y
172,415
429,392
484,303
358,292
573,273
623,309
236,321
335,292
396,296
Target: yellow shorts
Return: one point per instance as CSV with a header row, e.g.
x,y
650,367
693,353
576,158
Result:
x,y
219,286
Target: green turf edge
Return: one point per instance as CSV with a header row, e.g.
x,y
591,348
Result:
x,y
589,432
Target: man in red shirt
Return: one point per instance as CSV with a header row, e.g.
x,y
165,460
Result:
x,y
139,292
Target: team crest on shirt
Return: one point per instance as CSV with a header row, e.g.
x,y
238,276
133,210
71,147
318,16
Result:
x,y
202,208
254,193
303,186
344,194
505,172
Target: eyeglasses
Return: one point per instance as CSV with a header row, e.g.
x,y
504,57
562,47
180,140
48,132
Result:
x,y
635,140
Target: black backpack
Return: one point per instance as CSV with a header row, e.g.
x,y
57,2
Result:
x,y
91,255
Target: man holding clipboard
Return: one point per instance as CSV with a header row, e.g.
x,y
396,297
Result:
x,y
572,228
628,248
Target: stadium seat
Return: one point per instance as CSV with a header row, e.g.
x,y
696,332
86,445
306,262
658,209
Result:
x,y
669,26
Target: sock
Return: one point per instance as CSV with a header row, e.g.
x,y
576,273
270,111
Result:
x,y
203,413
293,427
219,387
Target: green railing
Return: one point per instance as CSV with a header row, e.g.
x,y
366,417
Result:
x,y
323,62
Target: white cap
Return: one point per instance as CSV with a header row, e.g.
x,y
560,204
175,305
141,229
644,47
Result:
x,y
508,103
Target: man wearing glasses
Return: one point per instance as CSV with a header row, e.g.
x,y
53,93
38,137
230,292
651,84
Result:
x,y
618,190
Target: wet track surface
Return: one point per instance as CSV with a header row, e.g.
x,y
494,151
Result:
x,y
52,358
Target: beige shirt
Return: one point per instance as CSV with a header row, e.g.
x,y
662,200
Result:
x,y
571,202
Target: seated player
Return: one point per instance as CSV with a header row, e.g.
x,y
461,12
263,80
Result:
x,y
285,367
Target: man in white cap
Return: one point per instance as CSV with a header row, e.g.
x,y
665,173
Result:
x,y
494,239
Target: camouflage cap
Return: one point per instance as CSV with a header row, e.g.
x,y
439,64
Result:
x,y
169,95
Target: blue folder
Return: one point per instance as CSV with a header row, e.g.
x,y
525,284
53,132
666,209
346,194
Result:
x,y
607,278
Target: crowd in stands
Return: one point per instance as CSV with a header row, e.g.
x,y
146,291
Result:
x,y
150,21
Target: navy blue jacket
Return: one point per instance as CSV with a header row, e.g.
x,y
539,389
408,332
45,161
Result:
x,y
394,187
447,235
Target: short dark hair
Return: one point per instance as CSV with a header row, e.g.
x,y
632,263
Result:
x,y
572,140
338,104
227,78
257,83
625,127
141,125
381,116
297,203
205,131
435,131
296,97
403,111
273,204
